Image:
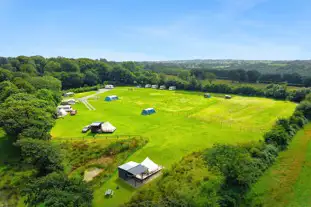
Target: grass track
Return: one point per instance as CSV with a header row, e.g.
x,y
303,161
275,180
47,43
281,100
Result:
x,y
184,122
287,183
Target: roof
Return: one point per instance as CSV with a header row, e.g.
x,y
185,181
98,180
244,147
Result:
x,y
63,106
148,109
107,127
128,165
150,165
112,96
139,169
96,123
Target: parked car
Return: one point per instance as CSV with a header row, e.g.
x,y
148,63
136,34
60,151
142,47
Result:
x,y
86,128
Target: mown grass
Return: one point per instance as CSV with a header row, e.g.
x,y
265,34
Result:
x,y
184,122
287,182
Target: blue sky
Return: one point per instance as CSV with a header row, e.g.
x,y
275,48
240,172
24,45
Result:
x,y
157,30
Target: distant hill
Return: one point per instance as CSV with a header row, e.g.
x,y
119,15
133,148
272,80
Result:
x,y
302,67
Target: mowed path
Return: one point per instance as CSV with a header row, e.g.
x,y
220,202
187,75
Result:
x,y
287,183
84,99
184,122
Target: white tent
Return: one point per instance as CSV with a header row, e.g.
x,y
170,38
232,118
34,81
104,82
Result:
x,y
61,112
150,165
108,128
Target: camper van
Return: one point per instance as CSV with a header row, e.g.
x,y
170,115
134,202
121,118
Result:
x,y
67,108
109,86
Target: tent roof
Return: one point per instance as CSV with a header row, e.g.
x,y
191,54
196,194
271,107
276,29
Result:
x,y
107,127
128,165
148,109
112,96
150,165
139,169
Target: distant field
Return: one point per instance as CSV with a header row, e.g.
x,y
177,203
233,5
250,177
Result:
x,y
184,122
256,85
287,183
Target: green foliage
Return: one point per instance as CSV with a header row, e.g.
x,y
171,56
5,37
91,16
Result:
x,y
7,89
46,82
24,115
5,75
44,156
57,190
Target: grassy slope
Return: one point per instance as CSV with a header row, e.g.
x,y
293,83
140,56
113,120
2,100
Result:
x,y
288,182
184,122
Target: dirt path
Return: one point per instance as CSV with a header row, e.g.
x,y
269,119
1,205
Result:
x,y
84,100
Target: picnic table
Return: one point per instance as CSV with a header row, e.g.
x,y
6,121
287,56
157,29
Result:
x,y
109,193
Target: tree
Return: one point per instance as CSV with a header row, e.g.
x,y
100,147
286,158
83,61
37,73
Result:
x,y
7,89
5,75
46,82
24,115
23,85
28,68
234,75
90,78
52,66
56,190
210,77
253,75
278,137
41,154
71,80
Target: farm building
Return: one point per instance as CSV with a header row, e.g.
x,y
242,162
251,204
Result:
x,y
134,172
67,108
207,95
109,86
107,127
61,113
228,97
147,86
148,111
69,94
111,98
172,88
96,127
68,102
162,87
154,86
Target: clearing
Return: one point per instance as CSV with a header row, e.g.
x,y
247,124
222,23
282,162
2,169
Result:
x,y
184,122
287,182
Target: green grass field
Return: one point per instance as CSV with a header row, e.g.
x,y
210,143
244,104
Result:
x,y
184,122
287,182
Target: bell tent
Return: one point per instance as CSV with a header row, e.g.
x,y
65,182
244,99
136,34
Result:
x,y
107,127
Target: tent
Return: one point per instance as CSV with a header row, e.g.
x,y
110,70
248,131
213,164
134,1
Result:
x,y
109,86
147,86
111,98
69,94
107,127
148,111
171,88
162,87
154,86
61,112
228,97
207,95
152,167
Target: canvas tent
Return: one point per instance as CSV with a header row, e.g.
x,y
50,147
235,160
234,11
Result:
x,y
111,98
150,165
109,86
171,88
69,94
107,127
228,97
61,113
148,111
